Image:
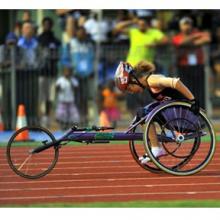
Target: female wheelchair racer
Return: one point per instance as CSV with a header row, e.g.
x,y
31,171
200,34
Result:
x,y
140,77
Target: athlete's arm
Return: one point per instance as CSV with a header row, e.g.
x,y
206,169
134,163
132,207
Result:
x,y
184,90
160,82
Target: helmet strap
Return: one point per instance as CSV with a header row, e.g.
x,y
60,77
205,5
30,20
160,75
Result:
x,y
138,82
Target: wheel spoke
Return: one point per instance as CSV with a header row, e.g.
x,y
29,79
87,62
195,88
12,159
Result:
x,y
25,161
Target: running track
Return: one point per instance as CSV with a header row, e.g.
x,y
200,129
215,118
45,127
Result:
x,y
105,173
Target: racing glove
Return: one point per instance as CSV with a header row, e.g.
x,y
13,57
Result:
x,y
195,106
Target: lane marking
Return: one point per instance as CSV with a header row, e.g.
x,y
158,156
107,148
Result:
x,y
88,156
106,161
107,195
112,186
104,167
107,179
103,173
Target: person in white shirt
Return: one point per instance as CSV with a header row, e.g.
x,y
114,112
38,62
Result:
x,y
66,112
98,30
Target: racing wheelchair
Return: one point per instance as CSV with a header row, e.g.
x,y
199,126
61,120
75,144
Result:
x,y
188,139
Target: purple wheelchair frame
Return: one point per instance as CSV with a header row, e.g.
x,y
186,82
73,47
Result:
x,y
85,135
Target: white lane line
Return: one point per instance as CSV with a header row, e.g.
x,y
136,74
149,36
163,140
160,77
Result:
x,y
104,161
84,168
105,167
128,155
115,152
87,162
112,186
108,179
106,195
104,173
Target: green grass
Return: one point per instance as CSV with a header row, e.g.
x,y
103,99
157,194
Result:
x,y
133,204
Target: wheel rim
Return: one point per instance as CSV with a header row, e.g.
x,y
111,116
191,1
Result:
x,y
29,165
200,156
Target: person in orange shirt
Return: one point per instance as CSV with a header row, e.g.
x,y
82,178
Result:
x,y
110,103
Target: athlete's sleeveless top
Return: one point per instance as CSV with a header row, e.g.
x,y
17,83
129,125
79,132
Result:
x,y
166,93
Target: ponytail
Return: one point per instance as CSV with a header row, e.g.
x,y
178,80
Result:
x,y
144,68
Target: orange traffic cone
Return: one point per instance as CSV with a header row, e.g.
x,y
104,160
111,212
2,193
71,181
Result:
x,y
103,119
1,122
21,122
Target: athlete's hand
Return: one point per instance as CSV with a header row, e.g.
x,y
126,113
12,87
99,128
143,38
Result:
x,y
195,106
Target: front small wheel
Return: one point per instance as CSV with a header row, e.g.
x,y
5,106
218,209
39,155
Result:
x,y
20,158
188,139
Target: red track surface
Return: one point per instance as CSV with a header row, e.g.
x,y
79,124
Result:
x,y
105,173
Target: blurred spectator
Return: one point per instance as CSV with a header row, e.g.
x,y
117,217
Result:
x,y
190,57
29,46
17,29
98,30
5,50
177,15
163,53
143,43
80,53
143,13
26,16
70,29
47,38
121,38
143,39
110,103
66,113
27,76
49,46
8,51
215,61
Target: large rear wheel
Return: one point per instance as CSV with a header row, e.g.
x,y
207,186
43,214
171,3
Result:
x,y
188,139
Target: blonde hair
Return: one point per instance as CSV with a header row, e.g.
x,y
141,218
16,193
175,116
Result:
x,y
143,68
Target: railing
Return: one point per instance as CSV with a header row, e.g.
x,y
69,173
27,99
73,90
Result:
x,y
30,79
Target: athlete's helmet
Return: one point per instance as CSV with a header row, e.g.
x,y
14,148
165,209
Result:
x,y
122,75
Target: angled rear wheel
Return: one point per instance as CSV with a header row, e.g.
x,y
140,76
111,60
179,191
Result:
x,y
188,139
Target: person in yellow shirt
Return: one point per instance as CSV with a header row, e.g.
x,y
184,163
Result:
x,y
143,39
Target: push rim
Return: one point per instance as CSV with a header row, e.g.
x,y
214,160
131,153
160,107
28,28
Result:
x,y
175,170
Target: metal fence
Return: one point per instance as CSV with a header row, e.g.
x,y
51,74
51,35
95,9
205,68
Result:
x,y
30,79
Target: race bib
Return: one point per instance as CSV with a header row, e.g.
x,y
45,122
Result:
x,y
192,59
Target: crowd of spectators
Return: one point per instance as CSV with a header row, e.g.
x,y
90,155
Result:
x,y
173,40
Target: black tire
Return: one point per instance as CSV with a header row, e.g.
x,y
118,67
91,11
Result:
x,y
138,151
197,157
20,151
